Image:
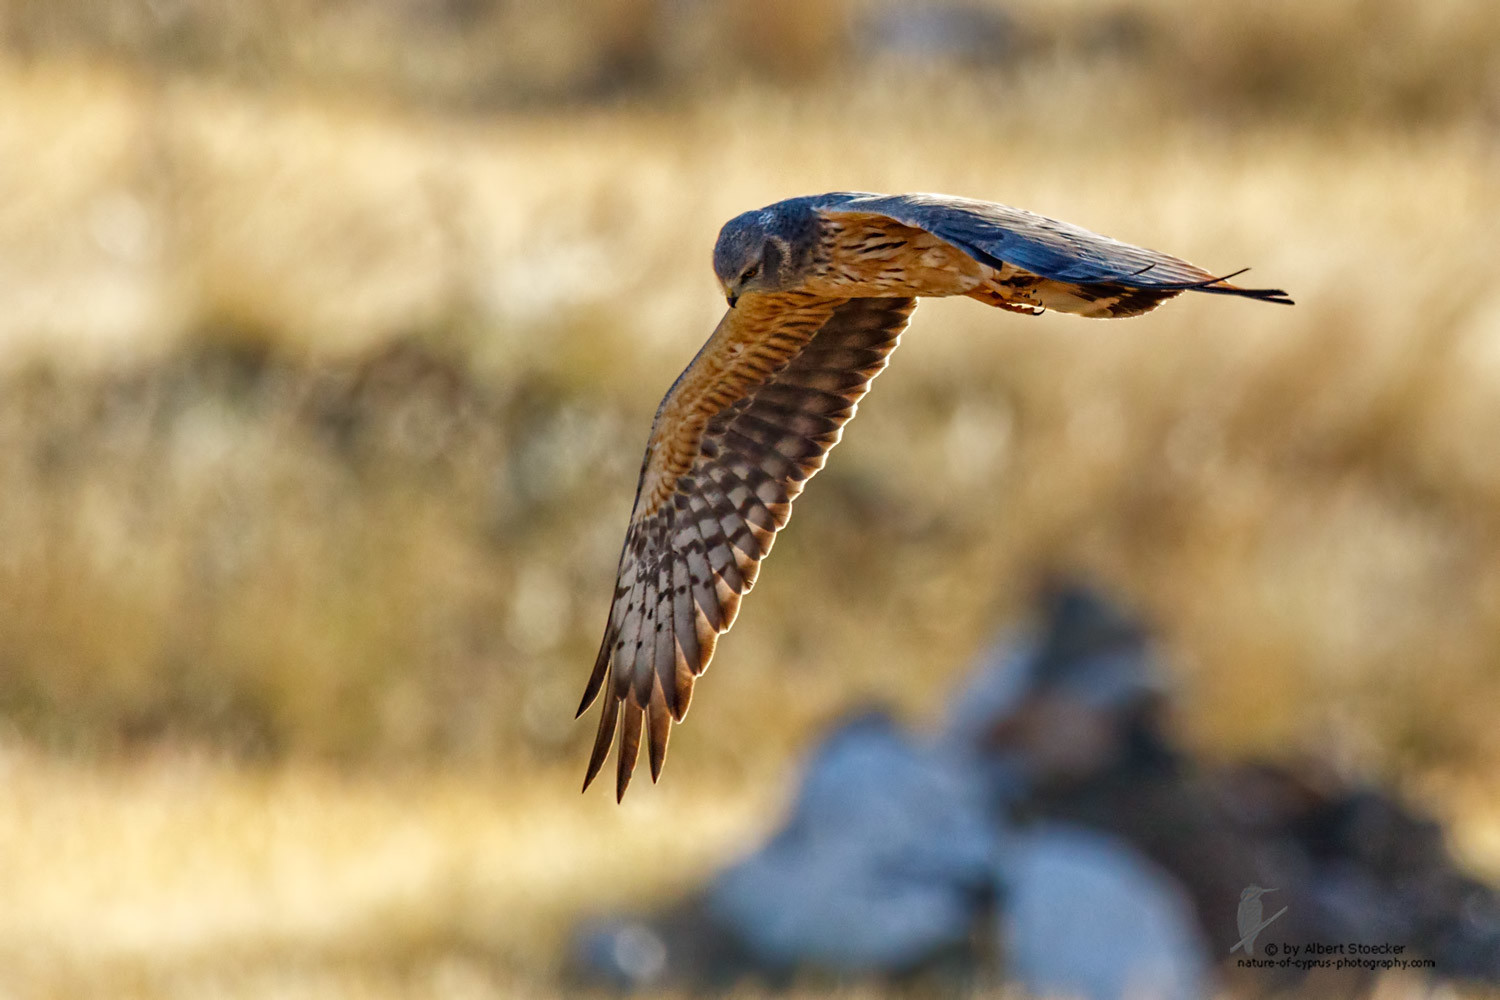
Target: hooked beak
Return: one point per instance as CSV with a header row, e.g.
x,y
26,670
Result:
x,y
731,299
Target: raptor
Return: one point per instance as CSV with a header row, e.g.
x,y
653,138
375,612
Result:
x,y
819,289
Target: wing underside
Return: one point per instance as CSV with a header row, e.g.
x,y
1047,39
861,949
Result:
x,y
744,428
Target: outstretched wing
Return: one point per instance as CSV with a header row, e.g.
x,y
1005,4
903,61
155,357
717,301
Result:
x,y
1043,261
749,421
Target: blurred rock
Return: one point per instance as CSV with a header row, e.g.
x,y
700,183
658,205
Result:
x,y
1054,833
883,867
684,946
884,862
1067,703
936,34
1371,868
1085,915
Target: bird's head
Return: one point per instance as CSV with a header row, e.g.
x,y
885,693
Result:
x,y
767,250
1253,892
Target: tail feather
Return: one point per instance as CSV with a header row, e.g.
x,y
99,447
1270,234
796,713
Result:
x,y
1259,294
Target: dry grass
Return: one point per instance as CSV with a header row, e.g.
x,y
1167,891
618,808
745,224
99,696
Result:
x,y
319,419
183,876
218,881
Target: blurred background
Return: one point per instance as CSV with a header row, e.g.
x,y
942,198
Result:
x,y
330,334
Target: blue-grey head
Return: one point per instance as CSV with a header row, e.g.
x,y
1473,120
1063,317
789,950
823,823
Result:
x,y
768,250
1253,892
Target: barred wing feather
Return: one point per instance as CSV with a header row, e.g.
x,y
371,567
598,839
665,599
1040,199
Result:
x,y
750,420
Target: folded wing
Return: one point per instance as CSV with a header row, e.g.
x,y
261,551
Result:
x,y
749,421
1045,262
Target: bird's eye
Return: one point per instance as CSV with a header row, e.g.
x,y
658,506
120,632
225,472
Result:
x,y
750,272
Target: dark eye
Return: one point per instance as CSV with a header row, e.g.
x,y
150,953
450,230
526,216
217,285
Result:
x,y
750,272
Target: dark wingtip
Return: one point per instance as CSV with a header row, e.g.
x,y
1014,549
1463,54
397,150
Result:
x,y
622,780
601,667
602,740
658,732
628,750
595,763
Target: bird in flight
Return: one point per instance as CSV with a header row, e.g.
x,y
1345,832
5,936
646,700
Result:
x,y
819,289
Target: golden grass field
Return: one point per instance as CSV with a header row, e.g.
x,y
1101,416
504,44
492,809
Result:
x,y
321,407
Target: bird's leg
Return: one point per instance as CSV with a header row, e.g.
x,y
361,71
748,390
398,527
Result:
x,y
993,297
